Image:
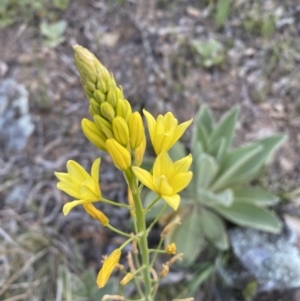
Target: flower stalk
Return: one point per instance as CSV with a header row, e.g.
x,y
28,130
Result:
x,y
117,130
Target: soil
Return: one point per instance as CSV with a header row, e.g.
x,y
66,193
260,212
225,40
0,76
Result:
x,y
147,46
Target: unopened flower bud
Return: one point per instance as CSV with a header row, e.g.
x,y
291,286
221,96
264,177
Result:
x,y
139,152
95,106
136,130
120,130
123,109
93,133
119,154
111,97
104,126
99,96
107,111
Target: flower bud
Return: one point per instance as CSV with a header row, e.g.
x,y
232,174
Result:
x,y
120,130
119,154
136,130
95,106
107,111
104,126
123,109
93,133
111,97
99,96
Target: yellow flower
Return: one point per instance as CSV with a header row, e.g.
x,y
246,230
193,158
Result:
x,y
168,178
165,132
96,214
79,184
171,249
119,154
108,266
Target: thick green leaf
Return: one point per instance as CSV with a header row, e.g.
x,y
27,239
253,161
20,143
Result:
x,y
211,199
221,151
214,229
205,169
233,163
205,119
202,137
252,167
188,236
225,128
257,196
177,151
250,215
271,145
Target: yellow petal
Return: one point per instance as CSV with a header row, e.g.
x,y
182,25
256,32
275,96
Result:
x,y
63,177
162,186
163,165
136,130
76,172
139,152
90,192
68,206
95,170
144,176
183,164
151,125
172,200
71,189
181,181
180,130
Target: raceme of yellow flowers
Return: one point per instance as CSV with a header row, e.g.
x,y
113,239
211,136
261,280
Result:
x,y
115,129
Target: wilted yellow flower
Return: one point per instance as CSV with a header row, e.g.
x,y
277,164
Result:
x,y
96,213
108,266
165,271
171,248
79,184
126,278
119,154
168,178
165,131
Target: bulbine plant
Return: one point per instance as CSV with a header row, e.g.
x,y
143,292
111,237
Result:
x,y
117,130
220,188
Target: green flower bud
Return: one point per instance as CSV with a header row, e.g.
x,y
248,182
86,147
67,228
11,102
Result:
x,y
95,106
104,126
107,111
99,96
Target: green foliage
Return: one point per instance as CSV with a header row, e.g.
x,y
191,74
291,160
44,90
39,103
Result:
x,y
222,12
12,11
82,288
53,32
220,187
212,52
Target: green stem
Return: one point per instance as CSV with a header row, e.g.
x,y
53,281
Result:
x,y
109,226
116,204
155,255
152,204
141,225
157,218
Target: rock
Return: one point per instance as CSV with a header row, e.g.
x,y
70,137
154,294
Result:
x,y
15,122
